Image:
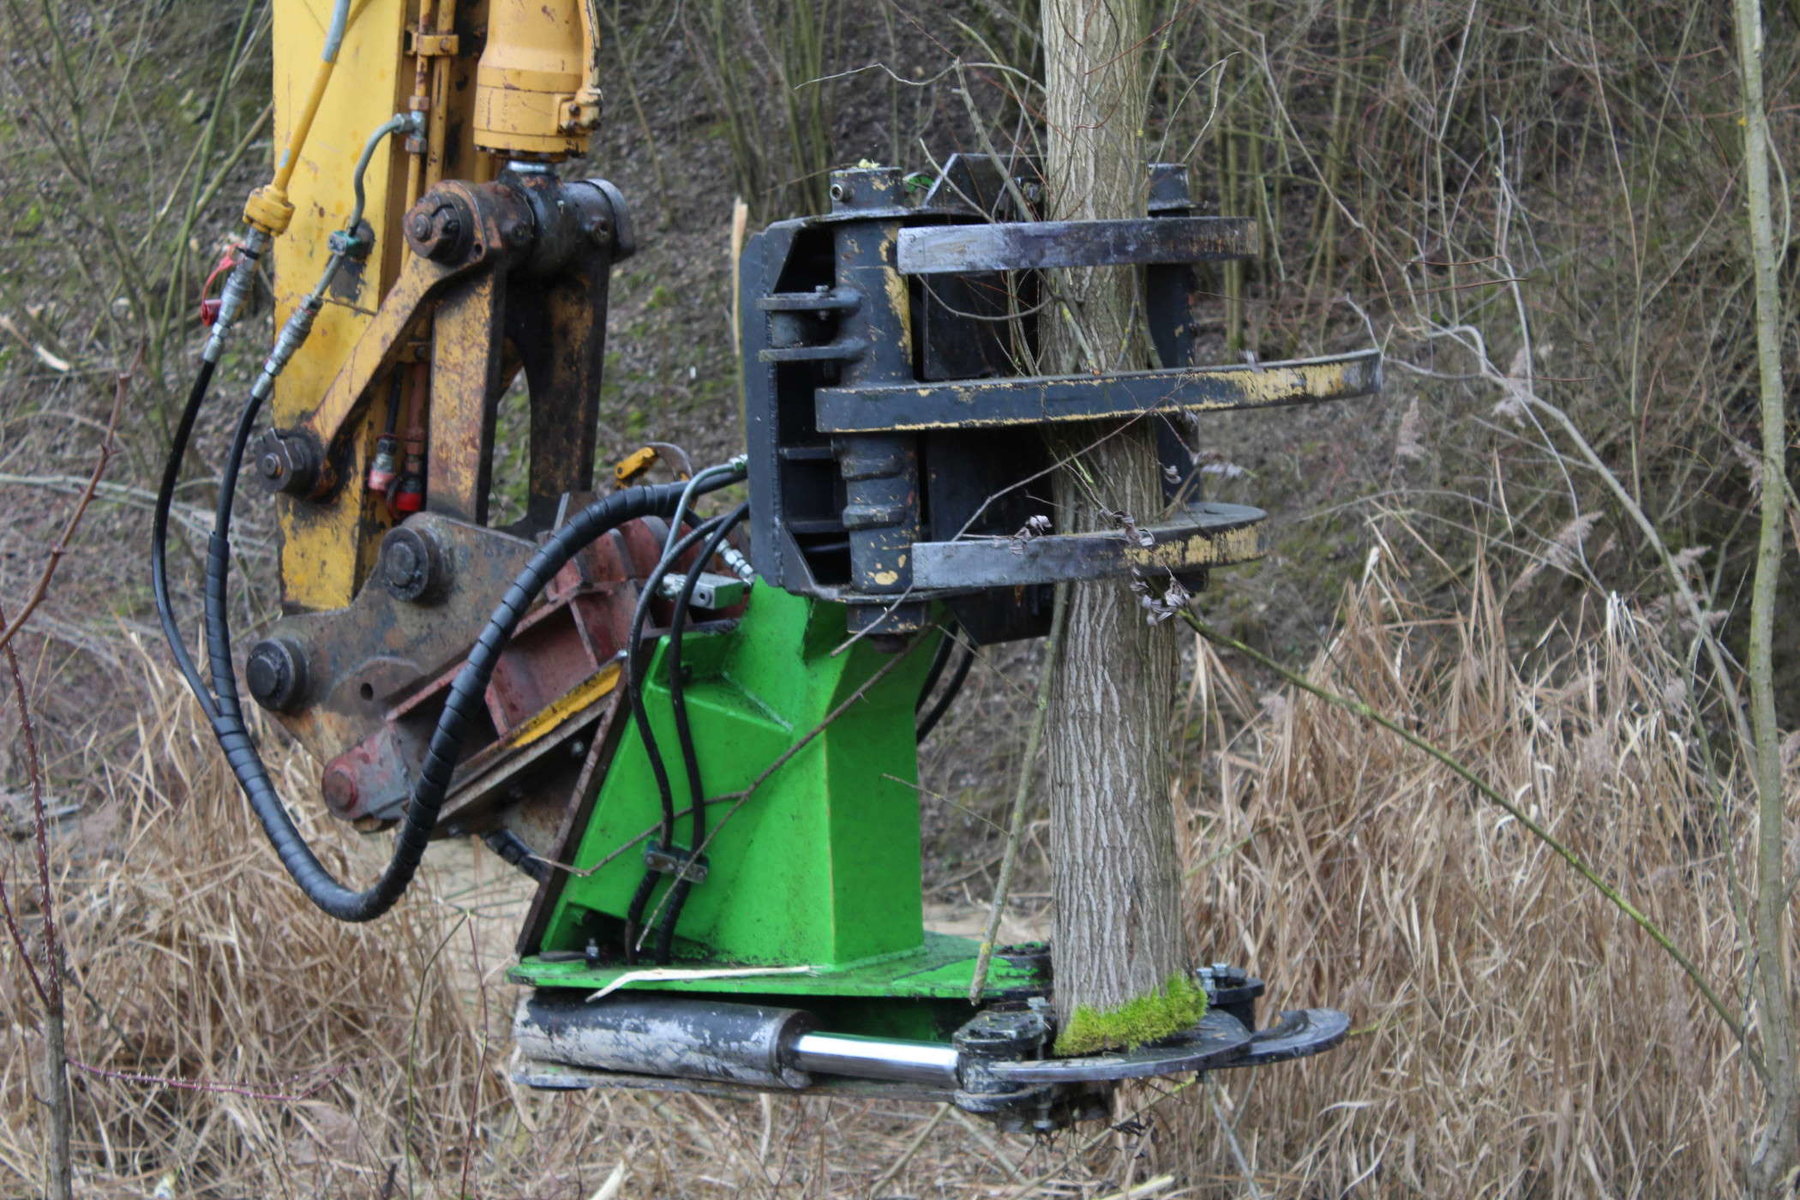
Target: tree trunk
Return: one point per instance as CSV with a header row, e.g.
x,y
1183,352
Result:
x,y
1121,963
1777,1147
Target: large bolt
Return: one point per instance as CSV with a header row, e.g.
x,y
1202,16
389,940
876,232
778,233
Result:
x,y
341,792
289,463
438,228
276,672
413,567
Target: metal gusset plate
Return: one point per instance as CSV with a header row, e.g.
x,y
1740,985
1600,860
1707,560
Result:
x,y
1029,245
1039,400
1216,1041
1206,534
1299,1033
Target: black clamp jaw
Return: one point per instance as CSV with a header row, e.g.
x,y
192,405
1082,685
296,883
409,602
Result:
x,y
896,450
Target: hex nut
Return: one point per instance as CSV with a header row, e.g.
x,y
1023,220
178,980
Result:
x,y
276,673
413,566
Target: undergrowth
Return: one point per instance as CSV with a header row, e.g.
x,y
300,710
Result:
x,y
1512,1033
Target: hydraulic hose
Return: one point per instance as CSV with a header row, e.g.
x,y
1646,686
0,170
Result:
x,y
159,538
945,699
703,481
293,334
462,709
684,733
640,716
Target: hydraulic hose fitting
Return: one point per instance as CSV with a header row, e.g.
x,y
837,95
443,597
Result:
x,y
269,211
740,566
384,465
408,496
293,335
236,292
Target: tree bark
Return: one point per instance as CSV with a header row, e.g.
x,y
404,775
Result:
x,y
1120,959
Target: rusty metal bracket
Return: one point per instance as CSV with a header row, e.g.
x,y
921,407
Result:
x,y
447,250
432,45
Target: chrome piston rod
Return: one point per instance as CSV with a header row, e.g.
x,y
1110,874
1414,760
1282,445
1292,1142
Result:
x,y
931,1063
697,1038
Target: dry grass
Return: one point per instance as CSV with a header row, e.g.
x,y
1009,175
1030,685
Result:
x,y
237,1043
1513,1034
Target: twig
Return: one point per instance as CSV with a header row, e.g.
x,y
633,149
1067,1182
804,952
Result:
x,y
251,1091
56,1049
986,1141
481,1040
1146,1189
738,798
1213,1091
41,588
1580,866
1771,1165
1076,1153
912,1148
1016,822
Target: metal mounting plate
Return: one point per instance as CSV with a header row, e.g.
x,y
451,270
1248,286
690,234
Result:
x,y
1045,399
1204,535
1029,245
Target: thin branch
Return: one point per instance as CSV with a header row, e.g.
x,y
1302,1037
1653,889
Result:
x,y
738,798
252,1091
121,385
58,1165
1015,825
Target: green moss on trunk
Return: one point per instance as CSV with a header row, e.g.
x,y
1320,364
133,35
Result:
x,y
1178,1004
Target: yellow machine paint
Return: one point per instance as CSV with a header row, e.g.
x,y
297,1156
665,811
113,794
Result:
x,y
536,97
371,83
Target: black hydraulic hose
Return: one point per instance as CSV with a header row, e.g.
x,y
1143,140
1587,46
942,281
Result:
x,y
159,539
690,757
635,669
948,697
462,709
218,569
940,658
640,716
634,913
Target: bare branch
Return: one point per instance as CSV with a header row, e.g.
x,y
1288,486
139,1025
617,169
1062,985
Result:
x,y
121,386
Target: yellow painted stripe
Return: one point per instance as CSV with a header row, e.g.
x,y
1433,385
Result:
x,y
571,702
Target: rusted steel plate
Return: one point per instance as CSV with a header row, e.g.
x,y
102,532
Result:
x,y
1039,400
1029,245
1205,535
